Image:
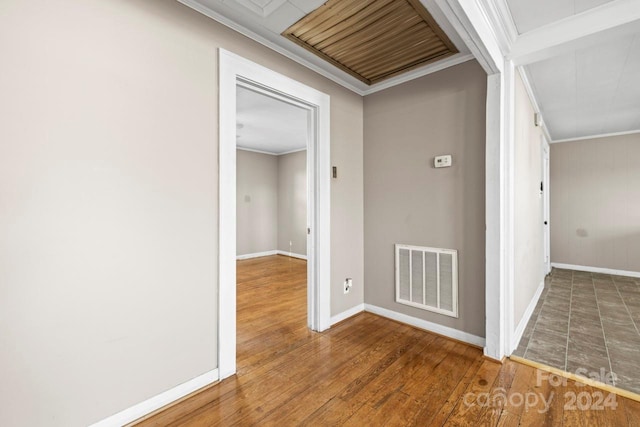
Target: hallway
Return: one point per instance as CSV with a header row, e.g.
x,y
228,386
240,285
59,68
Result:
x,y
368,370
588,322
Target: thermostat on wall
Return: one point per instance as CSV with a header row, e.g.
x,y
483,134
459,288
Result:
x,y
442,161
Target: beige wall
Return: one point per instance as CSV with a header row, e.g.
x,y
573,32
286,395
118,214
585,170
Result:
x,y
108,201
256,202
292,202
595,203
271,202
408,201
529,237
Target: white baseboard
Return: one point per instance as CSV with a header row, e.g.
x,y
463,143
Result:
x,y
596,269
426,325
257,255
517,334
269,253
347,313
153,404
291,254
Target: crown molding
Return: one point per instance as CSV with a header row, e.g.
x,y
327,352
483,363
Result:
x,y
528,86
602,135
420,72
198,7
334,75
262,11
500,20
271,153
471,23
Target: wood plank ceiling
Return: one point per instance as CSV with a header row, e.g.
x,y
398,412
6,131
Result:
x,y
372,39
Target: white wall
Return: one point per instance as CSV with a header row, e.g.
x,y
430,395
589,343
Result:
x,y
108,202
256,202
529,237
292,202
595,203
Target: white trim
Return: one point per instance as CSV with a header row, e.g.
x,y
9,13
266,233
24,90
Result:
x,y
253,150
195,5
426,325
500,20
528,87
297,150
508,229
605,22
270,253
517,335
235,70
291,254
336,75
420,72
347,313
470,21
494,221
596,269
257,254
161,400
227,76
546,179
604,135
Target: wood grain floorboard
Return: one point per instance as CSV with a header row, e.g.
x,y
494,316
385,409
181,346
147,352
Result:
x,y
369,371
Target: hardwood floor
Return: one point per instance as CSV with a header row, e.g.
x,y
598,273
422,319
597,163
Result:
x,y
370,371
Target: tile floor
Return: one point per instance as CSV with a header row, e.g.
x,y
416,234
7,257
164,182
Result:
x,y
587,321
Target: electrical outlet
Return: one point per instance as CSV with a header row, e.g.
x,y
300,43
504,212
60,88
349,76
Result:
x,y
348,284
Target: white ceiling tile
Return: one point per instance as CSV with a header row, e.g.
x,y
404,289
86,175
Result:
x,y
283,17
622,119
584,5
561,125
586,92
553,83
589,90
307,6
531,14
269,125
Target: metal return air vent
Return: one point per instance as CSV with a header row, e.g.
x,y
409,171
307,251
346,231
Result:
x,y
427,278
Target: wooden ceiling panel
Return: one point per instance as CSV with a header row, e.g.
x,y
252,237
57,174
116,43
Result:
x,y
372,39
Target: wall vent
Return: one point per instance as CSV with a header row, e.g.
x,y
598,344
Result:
x,y
427,278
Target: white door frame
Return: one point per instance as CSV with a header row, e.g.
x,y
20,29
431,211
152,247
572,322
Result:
x,y
546,230
235,70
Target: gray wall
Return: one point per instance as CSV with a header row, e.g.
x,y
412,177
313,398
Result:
x,y
529,237
595,202
292,202
108,201
256,202
271,202
408,201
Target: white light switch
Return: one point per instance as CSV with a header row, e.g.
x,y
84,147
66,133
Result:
x,y
442,161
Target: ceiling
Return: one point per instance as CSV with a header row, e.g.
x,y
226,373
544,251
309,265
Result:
x,y
531,14
261,124
590,87
266,20
372,40
590,91
579,58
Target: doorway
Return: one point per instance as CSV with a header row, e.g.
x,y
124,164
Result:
x,y
236,71
545,187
